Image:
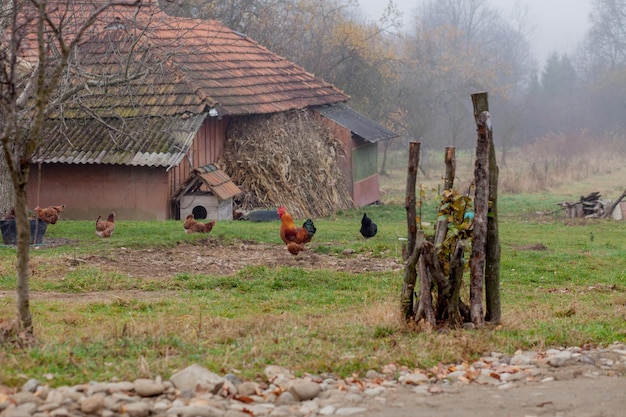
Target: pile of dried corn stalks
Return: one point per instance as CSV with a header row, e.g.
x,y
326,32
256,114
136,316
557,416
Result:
x,y
285,159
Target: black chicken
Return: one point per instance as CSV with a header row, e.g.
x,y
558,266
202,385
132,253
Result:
x,y
368,227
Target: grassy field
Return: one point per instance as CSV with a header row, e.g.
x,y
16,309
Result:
x,y
563,283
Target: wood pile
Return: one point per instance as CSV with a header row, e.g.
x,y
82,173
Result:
x,y
589,206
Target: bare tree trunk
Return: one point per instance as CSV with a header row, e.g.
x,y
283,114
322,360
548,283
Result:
x,y
383,165
19,170
481,206
30,94
411,255
503,155
7,197
22,225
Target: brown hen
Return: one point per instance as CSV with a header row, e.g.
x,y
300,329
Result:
x,y
193,226
49,214
105,228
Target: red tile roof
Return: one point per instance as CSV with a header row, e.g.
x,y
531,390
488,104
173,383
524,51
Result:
x,y
200,64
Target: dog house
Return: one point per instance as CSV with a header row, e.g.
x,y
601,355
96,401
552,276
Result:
x,y
207,194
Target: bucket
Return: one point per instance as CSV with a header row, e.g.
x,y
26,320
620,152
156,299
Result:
x,y
9,231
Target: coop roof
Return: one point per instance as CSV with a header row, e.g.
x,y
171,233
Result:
x,y
211,177
358,124
139,141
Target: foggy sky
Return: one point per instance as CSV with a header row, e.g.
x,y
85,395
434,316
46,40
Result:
x,y
557,24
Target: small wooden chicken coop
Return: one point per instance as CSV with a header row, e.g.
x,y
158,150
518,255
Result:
x,y
207,194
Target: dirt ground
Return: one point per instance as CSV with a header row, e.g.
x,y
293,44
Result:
x,y
572,396
206,255
604,396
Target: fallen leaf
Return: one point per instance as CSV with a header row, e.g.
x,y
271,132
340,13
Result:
x,y
243,399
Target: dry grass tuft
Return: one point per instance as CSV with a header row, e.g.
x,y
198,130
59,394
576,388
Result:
x,y
559,159
12,335
556,163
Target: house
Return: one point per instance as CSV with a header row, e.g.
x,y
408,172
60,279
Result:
x,y
360,137
135,147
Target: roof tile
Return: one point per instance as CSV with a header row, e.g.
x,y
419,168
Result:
x,y
202,63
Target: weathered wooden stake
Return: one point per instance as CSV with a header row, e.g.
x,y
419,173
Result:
x,y
411,254
493,312
481,205
441,229
410,203
457,266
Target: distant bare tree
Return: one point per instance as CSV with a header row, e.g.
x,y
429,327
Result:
x,y
239,15
608,19
601,65
454,48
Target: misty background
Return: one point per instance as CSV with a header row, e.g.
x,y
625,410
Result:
x,y
553,25
555,70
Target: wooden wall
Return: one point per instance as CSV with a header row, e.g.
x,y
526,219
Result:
x,y
206,149
365,172
345,161
363,188
135,193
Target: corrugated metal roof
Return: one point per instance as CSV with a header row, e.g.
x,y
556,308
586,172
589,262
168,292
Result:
x,y
358,124
213,178
145,141
201,64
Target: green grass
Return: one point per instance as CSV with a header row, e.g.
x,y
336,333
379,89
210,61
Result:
x,y
563,283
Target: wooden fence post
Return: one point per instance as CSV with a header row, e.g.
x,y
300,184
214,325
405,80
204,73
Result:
x,y
479,232
411,254
441,229
493,312
410,203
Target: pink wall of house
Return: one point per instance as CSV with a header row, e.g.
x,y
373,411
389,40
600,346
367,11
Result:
x,y
135,193
366,191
